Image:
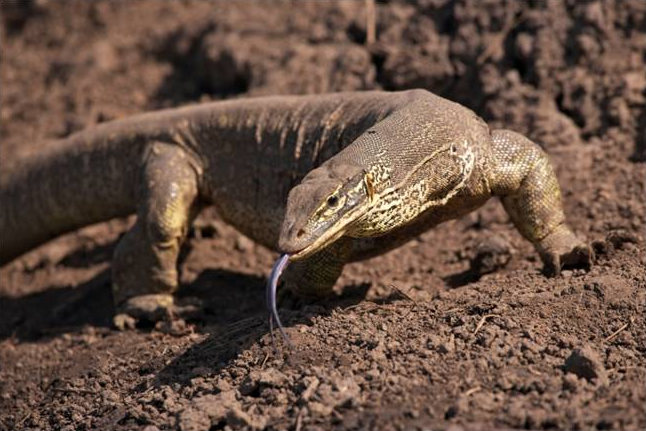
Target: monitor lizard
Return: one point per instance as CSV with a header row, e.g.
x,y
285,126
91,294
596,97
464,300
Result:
x,y
329,179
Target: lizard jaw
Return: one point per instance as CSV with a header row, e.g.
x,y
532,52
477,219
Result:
x,y
330,236
317,245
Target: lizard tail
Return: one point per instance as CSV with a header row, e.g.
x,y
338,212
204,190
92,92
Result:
x,y
86,178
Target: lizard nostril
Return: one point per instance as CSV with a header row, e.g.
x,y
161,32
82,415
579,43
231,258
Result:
x,y
300,233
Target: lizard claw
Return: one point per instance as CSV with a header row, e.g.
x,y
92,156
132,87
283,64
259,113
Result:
x,y
153,308
562,249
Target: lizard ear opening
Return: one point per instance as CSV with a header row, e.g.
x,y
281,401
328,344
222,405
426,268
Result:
x,y
368,182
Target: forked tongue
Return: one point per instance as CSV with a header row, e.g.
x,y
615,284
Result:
x,y
272,284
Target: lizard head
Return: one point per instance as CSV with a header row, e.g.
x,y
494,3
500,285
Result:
x,y
323,206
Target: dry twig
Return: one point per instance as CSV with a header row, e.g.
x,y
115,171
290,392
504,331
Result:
x,y
402,293
472,391
617,332
371,22
406,296
264,361
299,420
496,43
482,322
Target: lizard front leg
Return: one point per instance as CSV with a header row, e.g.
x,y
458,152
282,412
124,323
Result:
x,y
144,268
524,179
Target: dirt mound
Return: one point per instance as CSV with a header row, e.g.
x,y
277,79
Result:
x,y
468,334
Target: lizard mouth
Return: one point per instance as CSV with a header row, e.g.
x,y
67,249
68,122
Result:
x,y
317,245
331,235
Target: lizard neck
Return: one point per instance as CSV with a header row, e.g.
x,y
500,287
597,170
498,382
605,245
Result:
x,y
421,157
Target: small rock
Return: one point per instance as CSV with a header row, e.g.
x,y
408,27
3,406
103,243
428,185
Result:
x,y
346,389
193,420
110,396
379,352
243,243
311,383
586,363
611,289
207,410
570,382
525,45
176,327
566,341
614,240
536,417
270,377
237,418
593,14
447,346
319,409
106,59
530,346
492,254
433,341
222,385
373,374
529,334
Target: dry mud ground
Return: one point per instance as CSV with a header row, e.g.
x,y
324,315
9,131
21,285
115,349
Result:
x,y
452,345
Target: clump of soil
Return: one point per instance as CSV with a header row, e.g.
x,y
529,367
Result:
x,y
457,329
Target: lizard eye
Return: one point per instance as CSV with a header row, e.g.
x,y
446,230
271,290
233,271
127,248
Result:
x,y
333,201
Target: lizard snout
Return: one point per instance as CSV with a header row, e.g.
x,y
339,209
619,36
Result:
x,y
292,238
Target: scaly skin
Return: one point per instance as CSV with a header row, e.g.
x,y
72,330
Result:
x,y
398,163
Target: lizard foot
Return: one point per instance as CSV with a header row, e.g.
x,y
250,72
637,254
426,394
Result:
x,y
562,249
153,308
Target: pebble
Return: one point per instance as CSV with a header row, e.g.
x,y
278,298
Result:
x,y
447,346
311,384
243,243
586,363
611,289
270,377
237,418
570,382
206,410
492,254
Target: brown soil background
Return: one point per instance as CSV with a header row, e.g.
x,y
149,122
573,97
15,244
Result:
x,y
460,348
